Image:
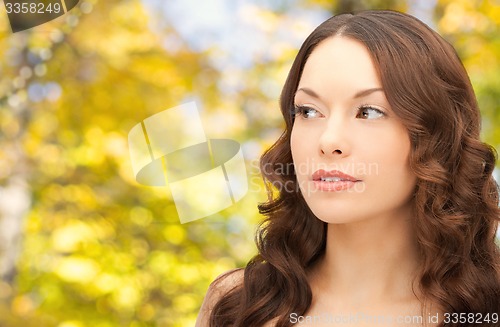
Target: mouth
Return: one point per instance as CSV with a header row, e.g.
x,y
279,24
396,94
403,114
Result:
x,y
332,176
333,181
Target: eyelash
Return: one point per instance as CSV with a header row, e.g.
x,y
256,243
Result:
x,y
300,110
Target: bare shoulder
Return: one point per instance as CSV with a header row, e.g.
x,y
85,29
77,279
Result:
x,y
218,288
227,281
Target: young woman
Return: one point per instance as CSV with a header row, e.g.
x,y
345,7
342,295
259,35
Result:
x,y
390,213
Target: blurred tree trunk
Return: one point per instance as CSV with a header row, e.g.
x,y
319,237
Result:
x,y
15,194
15,116
15,200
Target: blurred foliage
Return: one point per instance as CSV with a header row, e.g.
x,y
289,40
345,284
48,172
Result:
x,y
473,28
97,249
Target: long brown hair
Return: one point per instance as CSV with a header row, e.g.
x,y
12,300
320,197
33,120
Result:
x,y
455,200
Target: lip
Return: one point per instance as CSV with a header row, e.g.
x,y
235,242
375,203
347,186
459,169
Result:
x,y
333,173
346,181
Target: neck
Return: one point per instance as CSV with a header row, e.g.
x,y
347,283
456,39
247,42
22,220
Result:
x,y
370,260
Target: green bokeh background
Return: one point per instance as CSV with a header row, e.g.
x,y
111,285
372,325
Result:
x,y
83,244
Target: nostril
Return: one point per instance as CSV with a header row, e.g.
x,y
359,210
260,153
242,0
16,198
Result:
x,y
337,151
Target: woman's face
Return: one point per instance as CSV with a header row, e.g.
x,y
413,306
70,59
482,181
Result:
x,y
344,125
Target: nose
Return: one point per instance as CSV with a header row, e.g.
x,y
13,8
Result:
x,y
334,140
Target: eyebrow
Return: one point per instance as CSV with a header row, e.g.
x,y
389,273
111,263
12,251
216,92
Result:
x,y
359,94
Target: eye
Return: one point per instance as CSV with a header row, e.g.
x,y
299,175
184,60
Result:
x,y
369,112
307,112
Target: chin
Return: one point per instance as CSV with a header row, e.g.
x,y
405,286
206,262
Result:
x,y
329,217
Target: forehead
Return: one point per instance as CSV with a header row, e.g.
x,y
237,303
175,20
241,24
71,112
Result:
x,y
339,62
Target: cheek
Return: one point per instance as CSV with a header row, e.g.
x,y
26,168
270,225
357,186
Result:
x,y
301,147
398,150
390,145
296,146
392,156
